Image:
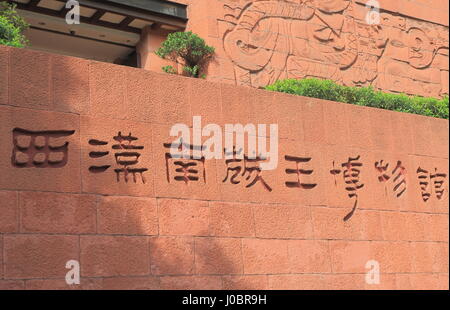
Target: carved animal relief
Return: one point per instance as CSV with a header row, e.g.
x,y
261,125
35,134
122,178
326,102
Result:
x,y
269,40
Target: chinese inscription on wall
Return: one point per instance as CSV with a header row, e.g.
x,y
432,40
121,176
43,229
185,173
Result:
x,y
122,154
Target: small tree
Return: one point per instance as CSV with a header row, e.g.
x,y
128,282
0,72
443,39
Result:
x,y
187,47
12,25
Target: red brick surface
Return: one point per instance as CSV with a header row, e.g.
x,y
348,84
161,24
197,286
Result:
x,y
161,234
191,283
258,282
38,256
127,216
114,256
218,256
183,217
57,213
172,255
9,221
265,256
12,285
131,283
70,84
30,81
232,220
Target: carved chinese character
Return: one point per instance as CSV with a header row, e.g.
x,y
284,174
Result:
x,y
423,182
126,157
40,149
438,182
398,175
382,169
429,181
186,169
298,171
245,168
351,175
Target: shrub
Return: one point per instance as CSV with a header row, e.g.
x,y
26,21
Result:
x,y
11,26
363,96
169,69
187,47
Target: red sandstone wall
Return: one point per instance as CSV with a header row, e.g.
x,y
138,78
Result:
x,y
260,41
210,234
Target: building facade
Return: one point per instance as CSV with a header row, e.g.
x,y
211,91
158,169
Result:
x,y
401,47
91,191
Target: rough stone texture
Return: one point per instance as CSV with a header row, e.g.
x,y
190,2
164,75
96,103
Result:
x,y
57,213
114,256
38,256
9,221
179,233
127,216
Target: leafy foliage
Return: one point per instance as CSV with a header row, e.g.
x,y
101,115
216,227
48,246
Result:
x,y
11,26
187,47
169,69
363,96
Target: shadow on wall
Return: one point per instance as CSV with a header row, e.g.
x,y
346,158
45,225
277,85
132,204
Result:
x,y
121,242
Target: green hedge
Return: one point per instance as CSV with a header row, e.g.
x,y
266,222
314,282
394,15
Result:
x,y
11,26
363,96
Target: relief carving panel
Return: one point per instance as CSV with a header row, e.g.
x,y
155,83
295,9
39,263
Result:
x,y
268,40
